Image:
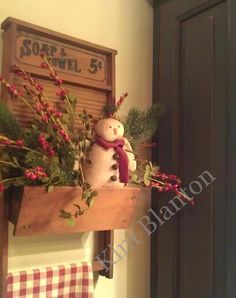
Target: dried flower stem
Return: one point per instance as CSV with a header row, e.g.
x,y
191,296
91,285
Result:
x,y
10,164
23,147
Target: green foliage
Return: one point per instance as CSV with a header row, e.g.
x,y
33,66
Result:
x,y
46,152
9,127
143,175
141,126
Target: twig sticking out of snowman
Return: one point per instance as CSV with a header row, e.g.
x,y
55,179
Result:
x,y
111,155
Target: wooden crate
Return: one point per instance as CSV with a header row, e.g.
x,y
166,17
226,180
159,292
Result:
x,y
33,210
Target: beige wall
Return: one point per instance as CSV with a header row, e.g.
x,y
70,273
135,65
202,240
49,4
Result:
x,y
125,26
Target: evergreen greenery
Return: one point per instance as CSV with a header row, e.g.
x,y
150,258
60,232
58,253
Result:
x,y
141,126
9,127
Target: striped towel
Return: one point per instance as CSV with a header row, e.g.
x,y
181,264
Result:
x,y
64,281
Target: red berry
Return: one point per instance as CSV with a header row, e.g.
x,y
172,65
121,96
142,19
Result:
x,y
39,169
44,65
20,143
58,114
7,142
55,126
2,187
33,176
66,138
27,173
51,110
62,132
45,118
61,93
51,152
39,87
45,146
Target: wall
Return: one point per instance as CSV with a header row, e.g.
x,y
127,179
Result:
x,y
127,27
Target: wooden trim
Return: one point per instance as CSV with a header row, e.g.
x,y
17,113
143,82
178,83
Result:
x,y
108,236
60,36
107,246
155,99
97,266
231,161
199,9
3,243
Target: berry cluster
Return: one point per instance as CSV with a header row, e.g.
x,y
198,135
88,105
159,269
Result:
x,y
27,77
164,183
111,109
46,112
53,74
35,174
61,93
45,146
64,134
13,91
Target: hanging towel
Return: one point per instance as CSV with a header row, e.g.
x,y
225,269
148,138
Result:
x,y
65,281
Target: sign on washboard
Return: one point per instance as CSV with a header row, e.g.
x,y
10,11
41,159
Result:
x,y
88,70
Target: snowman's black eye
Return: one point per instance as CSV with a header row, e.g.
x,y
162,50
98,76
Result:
x,y
110,126
119,126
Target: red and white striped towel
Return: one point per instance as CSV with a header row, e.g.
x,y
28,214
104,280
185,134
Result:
x,y
65,281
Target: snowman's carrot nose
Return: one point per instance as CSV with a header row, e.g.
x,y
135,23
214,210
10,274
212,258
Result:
x,y
115,131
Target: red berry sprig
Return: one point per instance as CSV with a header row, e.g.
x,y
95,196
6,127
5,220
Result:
x,y
46,146
61,92
64,134
12,90
8,142
121,100
165,183
27,77
35,173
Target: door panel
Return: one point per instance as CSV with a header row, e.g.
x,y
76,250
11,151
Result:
x,y
203,140
190,83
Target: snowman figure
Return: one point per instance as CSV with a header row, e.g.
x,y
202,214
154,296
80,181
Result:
x,y
111,156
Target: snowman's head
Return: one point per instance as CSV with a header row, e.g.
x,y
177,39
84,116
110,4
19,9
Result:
x,y
109,129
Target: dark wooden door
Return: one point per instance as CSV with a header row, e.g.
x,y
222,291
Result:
x,y
194,80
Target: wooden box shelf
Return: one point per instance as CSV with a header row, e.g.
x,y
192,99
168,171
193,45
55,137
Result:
x,y
33,210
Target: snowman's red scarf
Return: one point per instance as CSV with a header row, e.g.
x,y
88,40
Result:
x,y
123,158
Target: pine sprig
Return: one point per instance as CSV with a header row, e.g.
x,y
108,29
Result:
x,y
9,126
141,126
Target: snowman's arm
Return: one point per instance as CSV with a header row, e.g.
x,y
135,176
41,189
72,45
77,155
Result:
x,y
131,156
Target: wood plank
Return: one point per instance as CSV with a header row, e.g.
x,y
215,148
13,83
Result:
x,y
231,160
3,243
35,211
